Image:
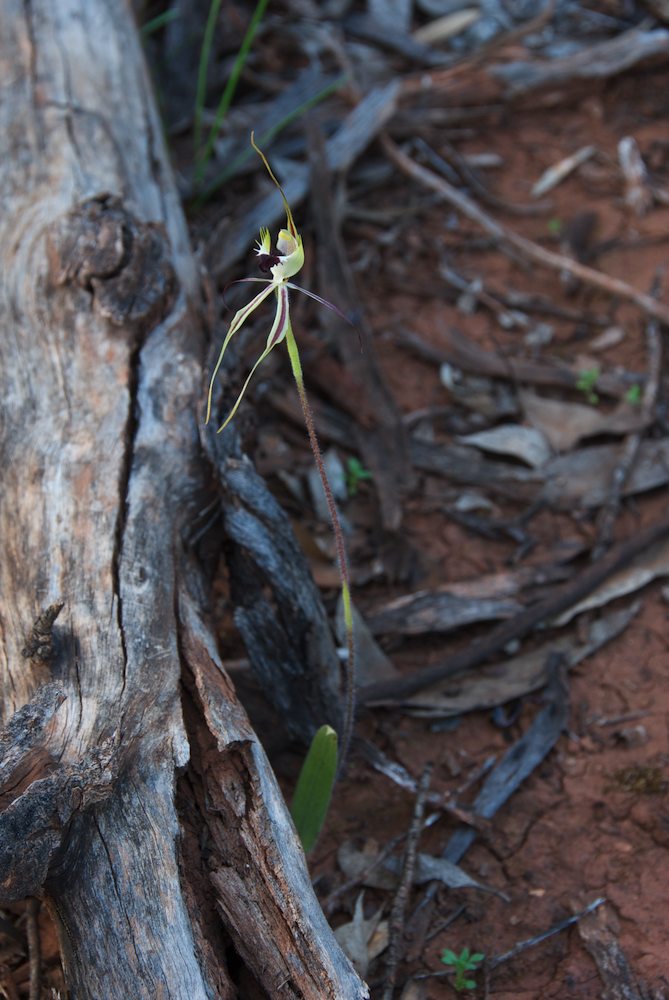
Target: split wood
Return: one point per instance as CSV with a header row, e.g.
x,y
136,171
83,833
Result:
x,y
528,248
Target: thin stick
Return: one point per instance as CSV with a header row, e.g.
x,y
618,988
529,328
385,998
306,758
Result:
x,y
34,950
497,960
397,914
340,546
532,251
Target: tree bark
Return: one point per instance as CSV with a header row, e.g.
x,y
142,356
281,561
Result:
x,y
105,473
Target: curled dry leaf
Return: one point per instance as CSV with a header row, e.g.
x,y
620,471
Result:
x,y
363,940
529,444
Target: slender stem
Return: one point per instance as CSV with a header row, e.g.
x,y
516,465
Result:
x,y
349,708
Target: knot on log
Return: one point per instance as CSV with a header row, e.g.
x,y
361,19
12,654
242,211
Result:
x,y
39,643
123,262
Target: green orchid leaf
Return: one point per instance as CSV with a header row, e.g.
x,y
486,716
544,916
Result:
x,y
314,787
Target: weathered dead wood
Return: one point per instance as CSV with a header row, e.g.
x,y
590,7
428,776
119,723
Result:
x,y
477,81
101,349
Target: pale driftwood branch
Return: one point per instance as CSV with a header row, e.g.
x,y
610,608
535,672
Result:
x,y
101,347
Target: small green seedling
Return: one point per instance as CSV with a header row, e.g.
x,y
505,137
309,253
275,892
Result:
x,y
554,226
587,380
633,395
462,964
314,787
356,473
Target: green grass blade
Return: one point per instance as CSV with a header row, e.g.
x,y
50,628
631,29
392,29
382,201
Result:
x,y
159,21
314,787
203,66
229,91
267,137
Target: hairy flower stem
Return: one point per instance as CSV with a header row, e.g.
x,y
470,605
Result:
x,y
349,708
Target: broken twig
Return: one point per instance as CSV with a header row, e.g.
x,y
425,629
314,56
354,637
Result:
x,y
530,250
397,914
497,960
34,949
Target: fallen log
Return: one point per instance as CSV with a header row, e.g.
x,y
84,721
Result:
x,y
112,689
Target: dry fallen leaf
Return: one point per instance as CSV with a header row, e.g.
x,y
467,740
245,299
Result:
x,y
650,564
354,861
584,476
362,940
502,682
528,444
565,424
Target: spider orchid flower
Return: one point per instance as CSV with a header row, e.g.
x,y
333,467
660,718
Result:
x,y
282,262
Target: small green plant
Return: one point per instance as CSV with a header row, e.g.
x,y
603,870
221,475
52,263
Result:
x,y
462,964
282,261
633,395
356,473
587,380
314,787
554,226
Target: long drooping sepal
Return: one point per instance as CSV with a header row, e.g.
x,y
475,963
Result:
x,y
321,301
349,710
280,328
238,321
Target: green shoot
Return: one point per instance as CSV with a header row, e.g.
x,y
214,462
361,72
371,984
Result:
x,y
554,226
356,473
283,260
587,380
462,964
202,155
314,787
633,395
